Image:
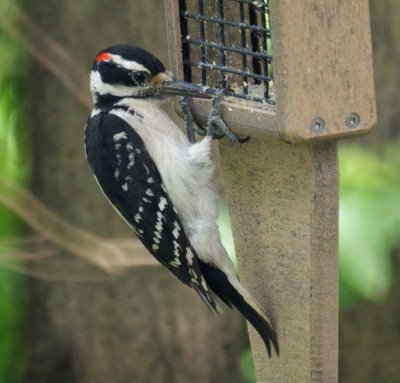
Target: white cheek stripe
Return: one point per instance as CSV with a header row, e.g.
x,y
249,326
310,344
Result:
x,y
100,87
130,65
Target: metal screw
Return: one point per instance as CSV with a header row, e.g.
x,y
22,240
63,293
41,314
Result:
x,y
353,120
317,125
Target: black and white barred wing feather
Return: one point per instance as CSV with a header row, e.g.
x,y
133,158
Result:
x,y
130,180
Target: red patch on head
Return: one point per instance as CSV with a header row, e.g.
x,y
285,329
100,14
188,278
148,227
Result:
x,y
103,56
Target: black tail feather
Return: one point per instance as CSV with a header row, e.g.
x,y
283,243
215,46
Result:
x,y
219,283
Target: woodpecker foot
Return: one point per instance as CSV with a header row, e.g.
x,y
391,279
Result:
x,y
216,127
190,123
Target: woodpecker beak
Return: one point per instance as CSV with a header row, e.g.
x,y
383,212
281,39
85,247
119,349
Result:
x,y
182,88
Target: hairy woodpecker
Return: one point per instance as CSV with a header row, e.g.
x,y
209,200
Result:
x,y
159,182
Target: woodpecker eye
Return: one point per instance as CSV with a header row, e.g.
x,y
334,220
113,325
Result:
x,y
140,78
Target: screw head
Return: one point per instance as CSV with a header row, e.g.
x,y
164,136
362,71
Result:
x,y
353,120
317,125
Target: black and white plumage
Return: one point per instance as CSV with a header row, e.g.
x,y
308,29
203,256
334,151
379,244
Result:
x,y
160,183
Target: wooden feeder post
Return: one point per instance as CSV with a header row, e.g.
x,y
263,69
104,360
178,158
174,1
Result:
x,y
282,186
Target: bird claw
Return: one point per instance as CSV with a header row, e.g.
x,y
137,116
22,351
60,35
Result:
x,y
190,123
216,127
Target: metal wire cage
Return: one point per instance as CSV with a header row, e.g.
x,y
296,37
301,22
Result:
x,y
223,51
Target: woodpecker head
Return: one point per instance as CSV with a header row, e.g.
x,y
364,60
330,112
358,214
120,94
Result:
x,y
127,71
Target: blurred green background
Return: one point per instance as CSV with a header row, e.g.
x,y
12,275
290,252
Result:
x,y
14,165
369,216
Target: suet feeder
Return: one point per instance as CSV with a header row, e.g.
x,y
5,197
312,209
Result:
x,y
301,72
303,68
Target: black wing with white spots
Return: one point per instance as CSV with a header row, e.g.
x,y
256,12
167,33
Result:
x,y
132,183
